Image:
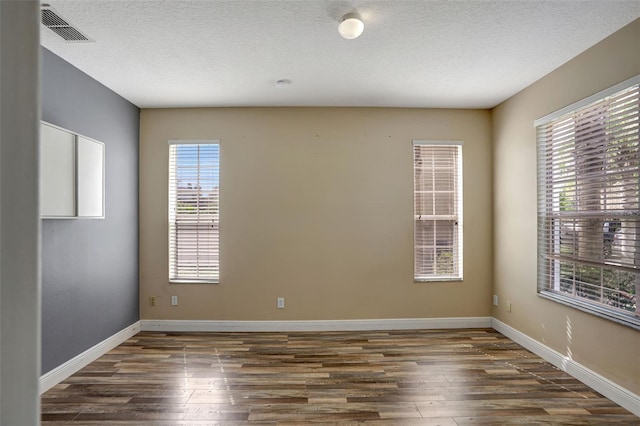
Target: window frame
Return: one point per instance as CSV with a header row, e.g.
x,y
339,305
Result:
x,y
458,234
191,280
547,287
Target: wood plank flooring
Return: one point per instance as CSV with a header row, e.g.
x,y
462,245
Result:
x,y
424,377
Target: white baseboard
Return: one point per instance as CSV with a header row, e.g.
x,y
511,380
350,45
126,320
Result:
x,y
60,373
321,325
606,387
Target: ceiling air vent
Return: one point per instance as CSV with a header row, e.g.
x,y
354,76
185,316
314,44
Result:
x,y
61,26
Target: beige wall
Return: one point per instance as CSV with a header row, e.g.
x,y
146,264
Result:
x,y
603,346
316,207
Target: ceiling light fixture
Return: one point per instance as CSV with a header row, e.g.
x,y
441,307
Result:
x,y
351,26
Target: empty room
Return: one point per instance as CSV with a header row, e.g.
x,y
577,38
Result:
x,y
291,212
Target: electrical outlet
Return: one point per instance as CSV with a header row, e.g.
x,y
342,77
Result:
x,y
280,303
174,300
152,301
495,300
508,306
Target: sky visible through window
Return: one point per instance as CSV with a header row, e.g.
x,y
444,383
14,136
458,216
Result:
x,y
198,165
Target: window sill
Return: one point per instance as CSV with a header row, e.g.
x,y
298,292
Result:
x,y
589,308
437,279
194,282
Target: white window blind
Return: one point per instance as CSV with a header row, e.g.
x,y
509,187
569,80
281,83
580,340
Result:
x,y
588,223
437,193
194,207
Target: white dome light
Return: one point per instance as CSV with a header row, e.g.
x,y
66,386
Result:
x,y
351,26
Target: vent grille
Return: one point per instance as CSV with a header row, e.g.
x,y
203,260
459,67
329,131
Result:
x,y
51,19
59,25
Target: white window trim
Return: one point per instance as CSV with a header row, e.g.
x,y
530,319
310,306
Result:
x,y
460,229
193,142
587,101
585,306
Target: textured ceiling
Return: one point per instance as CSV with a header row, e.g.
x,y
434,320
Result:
x,y
456,54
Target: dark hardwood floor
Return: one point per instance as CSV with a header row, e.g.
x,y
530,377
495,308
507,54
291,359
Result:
x,y
426,377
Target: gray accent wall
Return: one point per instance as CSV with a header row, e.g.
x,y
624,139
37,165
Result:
x,y
90,266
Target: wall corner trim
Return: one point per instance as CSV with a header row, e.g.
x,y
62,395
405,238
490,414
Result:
x,y
319,325
606,387
60,373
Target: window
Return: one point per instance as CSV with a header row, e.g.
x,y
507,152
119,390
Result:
x,y
194,208
588,227
437,200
